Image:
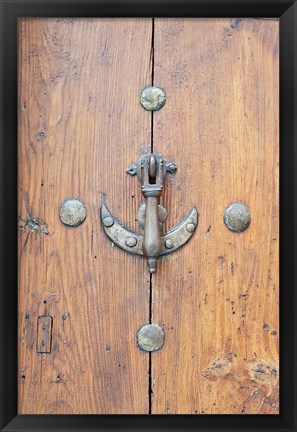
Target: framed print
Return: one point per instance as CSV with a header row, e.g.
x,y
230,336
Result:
x,y
148,156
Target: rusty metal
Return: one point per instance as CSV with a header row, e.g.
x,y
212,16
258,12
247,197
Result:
x,y
179,235
168,167
190,227
162,215
119,234
152,98
151,170
168,243
171,167
32,224
151,187
72,212
131,241
150,338
108,221
237,217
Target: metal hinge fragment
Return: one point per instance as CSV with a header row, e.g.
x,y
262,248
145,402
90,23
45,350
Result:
x,y
44,334
151,170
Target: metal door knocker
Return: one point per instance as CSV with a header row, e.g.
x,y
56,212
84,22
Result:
x,y
151,170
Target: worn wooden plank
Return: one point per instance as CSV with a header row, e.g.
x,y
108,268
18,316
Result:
x,y
80,127
44,335
217,298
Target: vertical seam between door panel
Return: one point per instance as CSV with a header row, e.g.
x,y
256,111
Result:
x,y
150,390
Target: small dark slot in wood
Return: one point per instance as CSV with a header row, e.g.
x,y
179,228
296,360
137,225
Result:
x,y
44,334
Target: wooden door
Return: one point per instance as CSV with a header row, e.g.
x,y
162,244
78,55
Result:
x,y
81,299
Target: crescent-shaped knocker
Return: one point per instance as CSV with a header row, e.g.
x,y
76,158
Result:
x,y
151,170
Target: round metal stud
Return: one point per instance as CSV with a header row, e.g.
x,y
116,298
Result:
x,y
171,167
131,241
150,337
169,243
108,221
152,98
190,227
237,217
72,212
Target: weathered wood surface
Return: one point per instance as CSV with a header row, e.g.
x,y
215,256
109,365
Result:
x,y
217,298
80,127
44,335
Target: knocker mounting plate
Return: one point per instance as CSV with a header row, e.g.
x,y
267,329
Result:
x,y
151,170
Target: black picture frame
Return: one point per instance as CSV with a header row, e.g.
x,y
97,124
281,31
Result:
x,y
286,11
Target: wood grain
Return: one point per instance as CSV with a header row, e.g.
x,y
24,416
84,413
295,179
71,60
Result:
x,y
80,127
44,335
217,298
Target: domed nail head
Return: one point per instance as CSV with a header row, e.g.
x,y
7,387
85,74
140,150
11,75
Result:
x,y
150,337
237,217
152,98
72,212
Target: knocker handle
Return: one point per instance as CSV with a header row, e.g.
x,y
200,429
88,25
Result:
x,y
152,186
